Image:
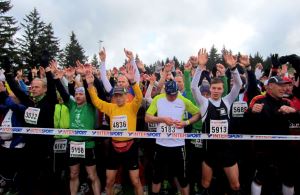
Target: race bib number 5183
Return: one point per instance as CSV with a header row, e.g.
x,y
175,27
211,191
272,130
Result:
x,y
164,128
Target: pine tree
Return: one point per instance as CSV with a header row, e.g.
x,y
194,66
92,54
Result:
x,y
47,41
95,61
256,59
8,29
213,58
73,52
30,47
176,62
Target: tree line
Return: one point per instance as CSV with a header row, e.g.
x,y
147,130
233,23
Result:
x,y
38,35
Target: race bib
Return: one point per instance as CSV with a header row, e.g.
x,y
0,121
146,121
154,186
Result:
x,y
119,123
198,143
77,149
239,108
7,119
164,128
152,126
31,115
185,115
219,127
60,146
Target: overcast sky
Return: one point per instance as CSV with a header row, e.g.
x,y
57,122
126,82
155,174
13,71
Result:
x,y
157,29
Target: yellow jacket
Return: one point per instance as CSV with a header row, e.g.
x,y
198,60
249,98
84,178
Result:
x,y
122,118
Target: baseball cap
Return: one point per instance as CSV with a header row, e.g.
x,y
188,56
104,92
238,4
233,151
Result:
x,y
119,90
171,87
277,80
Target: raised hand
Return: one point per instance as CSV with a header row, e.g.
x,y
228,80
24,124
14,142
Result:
x,y
178,72
284,69
220,69
230,59
168,67
59,74
130,73
188,66
128,54
202,57
90,79
42,72
102,55
80,68
194,61
244,60
152,79
34,71
141,65
275,60
53,66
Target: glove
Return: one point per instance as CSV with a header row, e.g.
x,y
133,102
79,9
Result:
x,y
44,62
275,61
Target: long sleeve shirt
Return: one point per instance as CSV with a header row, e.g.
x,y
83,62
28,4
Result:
x,y
228,99
122,118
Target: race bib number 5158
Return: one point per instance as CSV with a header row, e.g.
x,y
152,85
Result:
x,y
77,149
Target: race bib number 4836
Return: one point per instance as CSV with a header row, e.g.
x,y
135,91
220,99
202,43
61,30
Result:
x,y
77,149
31,115
218,127
119,123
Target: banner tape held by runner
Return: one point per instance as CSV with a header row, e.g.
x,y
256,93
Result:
x,y
142,134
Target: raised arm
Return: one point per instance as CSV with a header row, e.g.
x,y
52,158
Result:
x,y
130,57
51,90
231,61
201,61
137,100
104,79
97,102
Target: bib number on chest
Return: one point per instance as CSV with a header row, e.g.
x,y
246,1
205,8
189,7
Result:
x,y
152,126
7,119
60,146
218,127
31,115
239,108
164,128
119,123
77,149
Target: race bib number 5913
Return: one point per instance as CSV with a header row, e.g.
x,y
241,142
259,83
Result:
x,y
218,127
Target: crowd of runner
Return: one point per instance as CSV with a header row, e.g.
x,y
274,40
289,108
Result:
x,y
233,98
